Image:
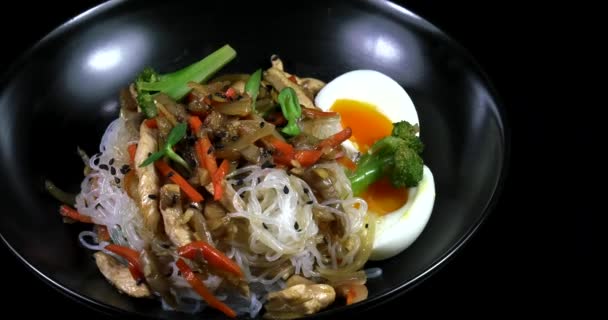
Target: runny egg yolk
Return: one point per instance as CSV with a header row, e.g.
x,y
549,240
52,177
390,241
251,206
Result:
x,y
368,126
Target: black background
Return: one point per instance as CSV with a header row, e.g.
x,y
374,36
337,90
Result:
x,y
533,253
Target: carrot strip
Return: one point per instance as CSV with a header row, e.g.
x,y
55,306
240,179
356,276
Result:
x,y
336,139
209,159
132,148
347,163
217,180
176,178
200,288
195,124
71,213
283,152
307,158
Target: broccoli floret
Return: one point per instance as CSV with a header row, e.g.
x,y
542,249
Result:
x,y
407,170
396,156
175,84
407,132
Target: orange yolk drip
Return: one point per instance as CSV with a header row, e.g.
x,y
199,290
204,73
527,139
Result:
x,y
370,125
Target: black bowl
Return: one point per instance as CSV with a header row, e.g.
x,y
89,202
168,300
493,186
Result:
x,y
64,91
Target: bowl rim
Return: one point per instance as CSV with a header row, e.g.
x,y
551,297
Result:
x,y
499,111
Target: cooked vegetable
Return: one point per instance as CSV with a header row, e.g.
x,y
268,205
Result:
x,y
177,133
217,178
212,256
202,290
252,87
396,156
132,258
290,106
62,196
175,84
176,178
69,212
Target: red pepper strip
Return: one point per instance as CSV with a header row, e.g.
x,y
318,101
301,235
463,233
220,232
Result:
x,y
200,288
132,148
71,213
230,93
336,139
132,258
213,256
307,158
314,113
151,123
176,178
195,124
276,118
293,79
217,180
283,152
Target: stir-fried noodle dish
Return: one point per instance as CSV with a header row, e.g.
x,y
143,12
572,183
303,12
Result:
x,y
239,193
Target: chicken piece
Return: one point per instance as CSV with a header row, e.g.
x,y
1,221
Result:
x,y
299,300
148,184
171,208
119,276
279,81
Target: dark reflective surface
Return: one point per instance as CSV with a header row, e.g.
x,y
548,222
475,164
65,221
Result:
x,y
84,63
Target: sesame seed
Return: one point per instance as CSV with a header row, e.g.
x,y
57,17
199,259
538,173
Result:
x,y
309,202
366,225
112,170
210,150
170,174
104,167
96,161
285,190
265,226
306,190
296,226
111,161
117,180
125,169
152,196
97,206
259,179
262,124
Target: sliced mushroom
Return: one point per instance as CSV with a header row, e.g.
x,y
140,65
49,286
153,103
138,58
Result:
x,y
171,209
148,184
312,86
299,300
154,277
119,276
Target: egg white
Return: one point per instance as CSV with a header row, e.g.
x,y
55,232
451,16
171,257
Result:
x,y
397,230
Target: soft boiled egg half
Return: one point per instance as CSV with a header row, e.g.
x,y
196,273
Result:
x,y
369,102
